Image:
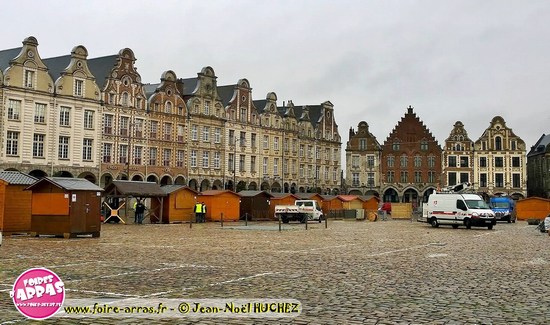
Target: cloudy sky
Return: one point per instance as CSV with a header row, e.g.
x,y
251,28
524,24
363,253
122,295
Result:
x,y
450,59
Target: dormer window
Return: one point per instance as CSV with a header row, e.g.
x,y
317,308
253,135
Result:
x,y
78,87
29,79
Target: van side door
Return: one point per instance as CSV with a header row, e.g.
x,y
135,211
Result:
x,y
461,210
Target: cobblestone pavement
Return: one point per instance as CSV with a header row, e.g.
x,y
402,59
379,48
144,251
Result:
x,y
353,272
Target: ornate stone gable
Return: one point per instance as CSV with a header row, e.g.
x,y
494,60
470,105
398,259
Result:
x,y
123,86
362,133
499,137
77,79
167,98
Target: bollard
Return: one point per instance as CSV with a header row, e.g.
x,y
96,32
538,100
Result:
x,y
221,219
279,223
326,222
306,222
246,219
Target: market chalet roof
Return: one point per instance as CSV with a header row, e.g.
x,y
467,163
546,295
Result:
x,y
168,189
17,178
68,183
253,193
135,189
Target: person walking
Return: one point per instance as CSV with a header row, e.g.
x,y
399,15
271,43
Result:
x,y
140,209
203,212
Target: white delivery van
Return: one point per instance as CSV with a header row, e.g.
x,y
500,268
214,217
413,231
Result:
x,y
453,209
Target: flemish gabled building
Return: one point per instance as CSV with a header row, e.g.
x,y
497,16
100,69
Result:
x,y
363,162
411,162
164,130
242,131
500,158
50,113
207,143
124,116
538,168
458,157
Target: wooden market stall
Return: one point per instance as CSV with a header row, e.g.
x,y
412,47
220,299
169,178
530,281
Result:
x,y
370,205
178,205
280,199
65,206
120,193
220,202
255,205
331,203
15,202
532,208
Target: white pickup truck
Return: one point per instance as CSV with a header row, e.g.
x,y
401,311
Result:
x,y
302,210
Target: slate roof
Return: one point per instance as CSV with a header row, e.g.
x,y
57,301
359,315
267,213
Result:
x,y
136,189
7,55
68,183
226,93
543,141
150,89
57,65
260,105
253,193
101,68
189,85
173,188
17,178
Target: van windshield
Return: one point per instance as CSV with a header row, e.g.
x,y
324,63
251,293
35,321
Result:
x,y
500,204
476,204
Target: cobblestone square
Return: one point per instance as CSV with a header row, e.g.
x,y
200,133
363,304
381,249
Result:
x,y
353,272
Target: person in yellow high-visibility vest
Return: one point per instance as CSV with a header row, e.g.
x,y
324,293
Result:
x,y
198,212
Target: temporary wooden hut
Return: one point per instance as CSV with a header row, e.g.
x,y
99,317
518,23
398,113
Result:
x,y
255,205
370,205
331,203
178,205
15,202
122,191
280,199
351,202
532,208
220,202
65,206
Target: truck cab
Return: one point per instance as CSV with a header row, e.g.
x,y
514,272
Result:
x,y
503,207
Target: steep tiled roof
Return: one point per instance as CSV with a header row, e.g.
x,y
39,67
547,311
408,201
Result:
x,y
150,89
101,68
7,55
17,178
260,105
189,85
226,93
540,146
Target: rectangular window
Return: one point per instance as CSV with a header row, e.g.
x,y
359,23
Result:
x,y
138,155
482,180
464,177
38,145
193,158
396,146
266,142
78,87
206,134
309,151
40,113
65,116
107,152
516,181
217,159
232,140
452,162
418,177
355,179
499,162
217,135
241,163
362,144
391,161
417,161
168,131
138,128
87,148
431,161
205,159
464,161
431,177
370,161
166,157
327,174
253,164
317,153
513,145
153,130
14,109
88,119
404,176
276,143
29,79
265,165
108,124
301,170
302,150
231,162
391,176
206,107
180,156
12,143
404,161
515,161
180,131
452,179
482,161
124,123
153,156
123,154
424,145
355,161
275,166
194,132
370,179
499,180
242,139
63,150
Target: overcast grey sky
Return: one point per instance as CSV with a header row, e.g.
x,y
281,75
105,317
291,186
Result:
x,y
451,60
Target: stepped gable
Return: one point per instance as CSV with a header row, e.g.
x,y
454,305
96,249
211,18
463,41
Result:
x,y
410,129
